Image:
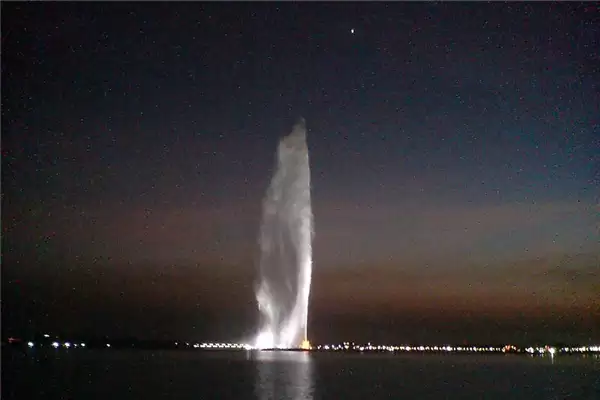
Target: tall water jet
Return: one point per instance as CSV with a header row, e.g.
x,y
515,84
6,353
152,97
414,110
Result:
x,y
286,233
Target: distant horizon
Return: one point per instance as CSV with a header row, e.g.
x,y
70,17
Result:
x,y
526,310
116,342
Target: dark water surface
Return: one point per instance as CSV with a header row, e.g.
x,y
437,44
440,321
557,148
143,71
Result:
x,y
116,375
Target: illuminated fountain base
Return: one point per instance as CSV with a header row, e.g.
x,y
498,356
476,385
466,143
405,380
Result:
x,y
266,345
305,346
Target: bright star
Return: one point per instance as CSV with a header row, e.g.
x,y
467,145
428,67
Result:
x,y
352,31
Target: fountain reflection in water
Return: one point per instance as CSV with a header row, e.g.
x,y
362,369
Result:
x,y
284,375
285,242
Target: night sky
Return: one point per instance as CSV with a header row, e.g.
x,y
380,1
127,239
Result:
x,y
454,152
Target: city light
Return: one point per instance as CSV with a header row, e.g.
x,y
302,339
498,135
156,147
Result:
x,y
369,347
508,349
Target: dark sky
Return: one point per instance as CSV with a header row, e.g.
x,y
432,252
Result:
x,y
454,153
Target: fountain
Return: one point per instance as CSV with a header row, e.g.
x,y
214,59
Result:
x,y
283,290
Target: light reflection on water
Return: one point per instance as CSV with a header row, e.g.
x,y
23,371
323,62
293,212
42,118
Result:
x,y
284,375
149,375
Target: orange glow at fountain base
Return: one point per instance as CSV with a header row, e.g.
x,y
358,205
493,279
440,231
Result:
x,y
305,345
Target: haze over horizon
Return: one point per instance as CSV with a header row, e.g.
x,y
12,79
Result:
x,y
454,166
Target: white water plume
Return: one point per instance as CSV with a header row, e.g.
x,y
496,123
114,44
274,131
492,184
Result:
x,y
285,242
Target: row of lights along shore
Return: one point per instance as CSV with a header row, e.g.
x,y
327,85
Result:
x,y
352,347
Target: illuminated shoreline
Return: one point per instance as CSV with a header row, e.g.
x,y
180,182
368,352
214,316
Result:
x,y
345,347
